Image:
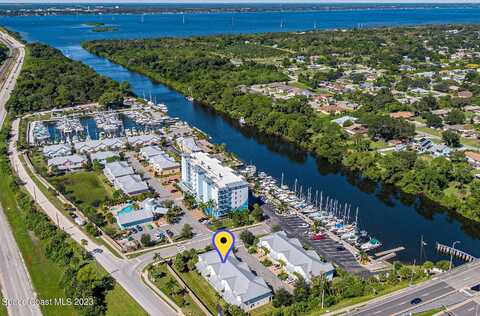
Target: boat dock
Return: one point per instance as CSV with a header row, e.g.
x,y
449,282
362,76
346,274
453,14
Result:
x,y
387,252
454,252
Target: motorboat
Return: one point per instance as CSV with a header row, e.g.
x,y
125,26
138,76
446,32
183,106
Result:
x,y
371,244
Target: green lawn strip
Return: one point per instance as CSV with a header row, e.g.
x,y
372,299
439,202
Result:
x,y
430,312
185,301
361,299
265,310
3,308
204,291
119,302
44,273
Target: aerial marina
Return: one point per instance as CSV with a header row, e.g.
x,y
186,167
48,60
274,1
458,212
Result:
x,y
98,125
334,218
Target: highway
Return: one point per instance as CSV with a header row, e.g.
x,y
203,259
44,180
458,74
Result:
x,y
446,287
14,277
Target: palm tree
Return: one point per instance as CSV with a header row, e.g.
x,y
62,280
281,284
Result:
x,y
157,257
363,256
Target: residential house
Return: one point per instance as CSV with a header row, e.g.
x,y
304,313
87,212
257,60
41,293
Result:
x,y
67,163
117,169
234,281
103,156
402,114
92,146
296,260
131,184
143,140
164,165
340,121
148,152
58,150
188,145
473,158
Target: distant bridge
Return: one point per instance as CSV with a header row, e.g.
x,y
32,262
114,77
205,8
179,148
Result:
x,y
455,252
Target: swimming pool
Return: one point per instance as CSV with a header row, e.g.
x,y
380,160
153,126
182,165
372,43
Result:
x,y
127,209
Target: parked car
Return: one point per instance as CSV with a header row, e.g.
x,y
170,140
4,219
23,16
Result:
x,y
318,237
134,230
139,228
169,232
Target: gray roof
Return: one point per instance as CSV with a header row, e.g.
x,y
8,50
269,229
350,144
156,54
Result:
x,y
163,161
189,142
102,155
151,151
57,150
94,145
292,249
60,161
134,216
131,184
118,169
143,139
244,284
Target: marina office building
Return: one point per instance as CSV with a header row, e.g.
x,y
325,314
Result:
x,y
208,180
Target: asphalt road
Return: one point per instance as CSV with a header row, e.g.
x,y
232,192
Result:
x,y
471,308
443,286
16,284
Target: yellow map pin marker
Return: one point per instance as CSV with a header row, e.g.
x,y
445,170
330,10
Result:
x,y
223,241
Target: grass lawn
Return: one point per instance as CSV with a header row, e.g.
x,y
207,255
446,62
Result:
x,y
119,302
430,312
430,131
87,188
202,289
264,310
3,308
186,303
44,273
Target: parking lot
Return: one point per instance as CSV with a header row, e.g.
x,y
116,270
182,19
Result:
x,y
327,248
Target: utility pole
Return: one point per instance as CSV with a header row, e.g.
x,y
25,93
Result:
x,y
411,278
451,254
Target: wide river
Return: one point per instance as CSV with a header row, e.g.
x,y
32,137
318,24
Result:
x,y
387,215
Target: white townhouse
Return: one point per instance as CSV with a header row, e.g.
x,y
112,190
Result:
x,y
57,150
143,140
131,184
234,281
91,146
149,152
164,165
208,180
67,163
307,263
117,169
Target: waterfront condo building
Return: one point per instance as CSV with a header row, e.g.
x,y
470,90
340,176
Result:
x,y
209,181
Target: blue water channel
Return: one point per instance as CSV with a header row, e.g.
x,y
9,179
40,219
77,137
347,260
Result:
x,y
393,218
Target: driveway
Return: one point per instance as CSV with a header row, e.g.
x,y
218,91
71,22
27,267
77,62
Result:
x,y
260,270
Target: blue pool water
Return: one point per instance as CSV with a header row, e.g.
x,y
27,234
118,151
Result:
x,y
393,218
127,209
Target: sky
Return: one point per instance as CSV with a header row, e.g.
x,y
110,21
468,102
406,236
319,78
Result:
x,y
238,1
